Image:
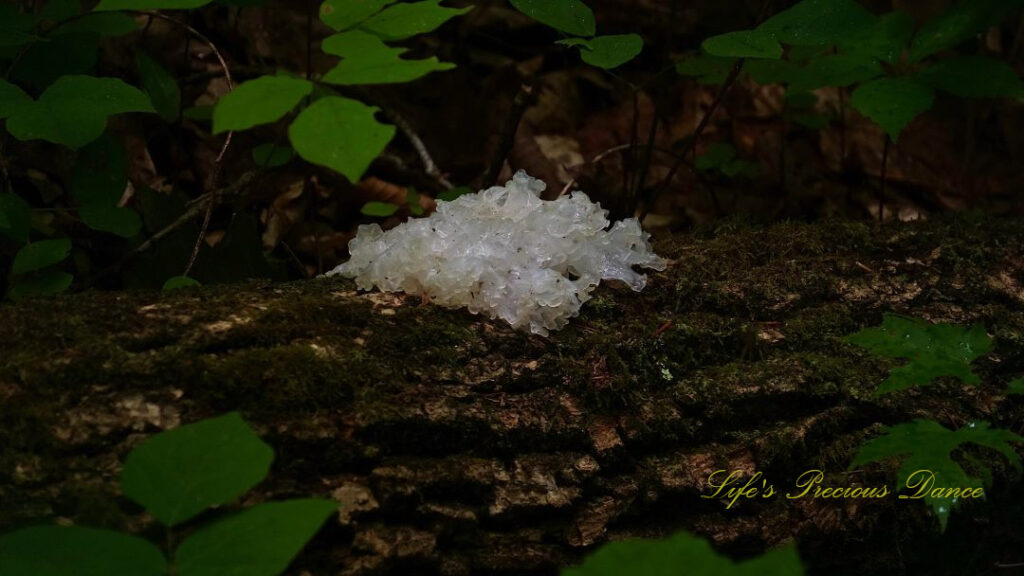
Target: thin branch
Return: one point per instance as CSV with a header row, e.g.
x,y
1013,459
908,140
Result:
x,y
213,199
190,213
429,166
704,121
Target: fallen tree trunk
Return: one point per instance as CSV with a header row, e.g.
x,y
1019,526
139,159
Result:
x,y
458,446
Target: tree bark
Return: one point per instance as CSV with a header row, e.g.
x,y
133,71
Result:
x,y
457,446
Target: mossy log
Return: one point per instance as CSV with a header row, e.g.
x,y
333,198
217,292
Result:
x,y
458,446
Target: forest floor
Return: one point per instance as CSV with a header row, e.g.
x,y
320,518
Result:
x,y
456,445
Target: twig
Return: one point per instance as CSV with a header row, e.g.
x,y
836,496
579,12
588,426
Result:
x,y
704,121
213,198
429,166
191,212
508,132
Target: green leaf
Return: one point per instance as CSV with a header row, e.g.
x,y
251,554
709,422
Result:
x,y
973,77
261,101
100,174
40,254
344,14
17,217
124,222
179,473
40,284
835,70
682,554
368,60
98,182
928,445
608,51
717,155
259,541
1016,387
12,99
73,110
406,20
199,113
934,350
449,195
707,69
818,22
45,62
379,209
892,102
65,550
956,25
272,155
160,85
150,4
570,16
341,134
771,71
57,10
100,24
739,166
16,27
884,41
743,44
177,282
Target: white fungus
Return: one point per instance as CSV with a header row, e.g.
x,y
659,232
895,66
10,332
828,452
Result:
x,y
505,253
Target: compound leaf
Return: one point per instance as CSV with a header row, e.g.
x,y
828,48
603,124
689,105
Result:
x,y
678,554
892,102
406,20
956,25
707,69
160,85
73,110
259,541
261,101
272,155
368,60
608,52
973,77
341,134
12,99
181,472
40,284
818,22
743,44
934,350
63,550
344,14
884,41
15,217
124,222
835,70
927,446
570,16
41,254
